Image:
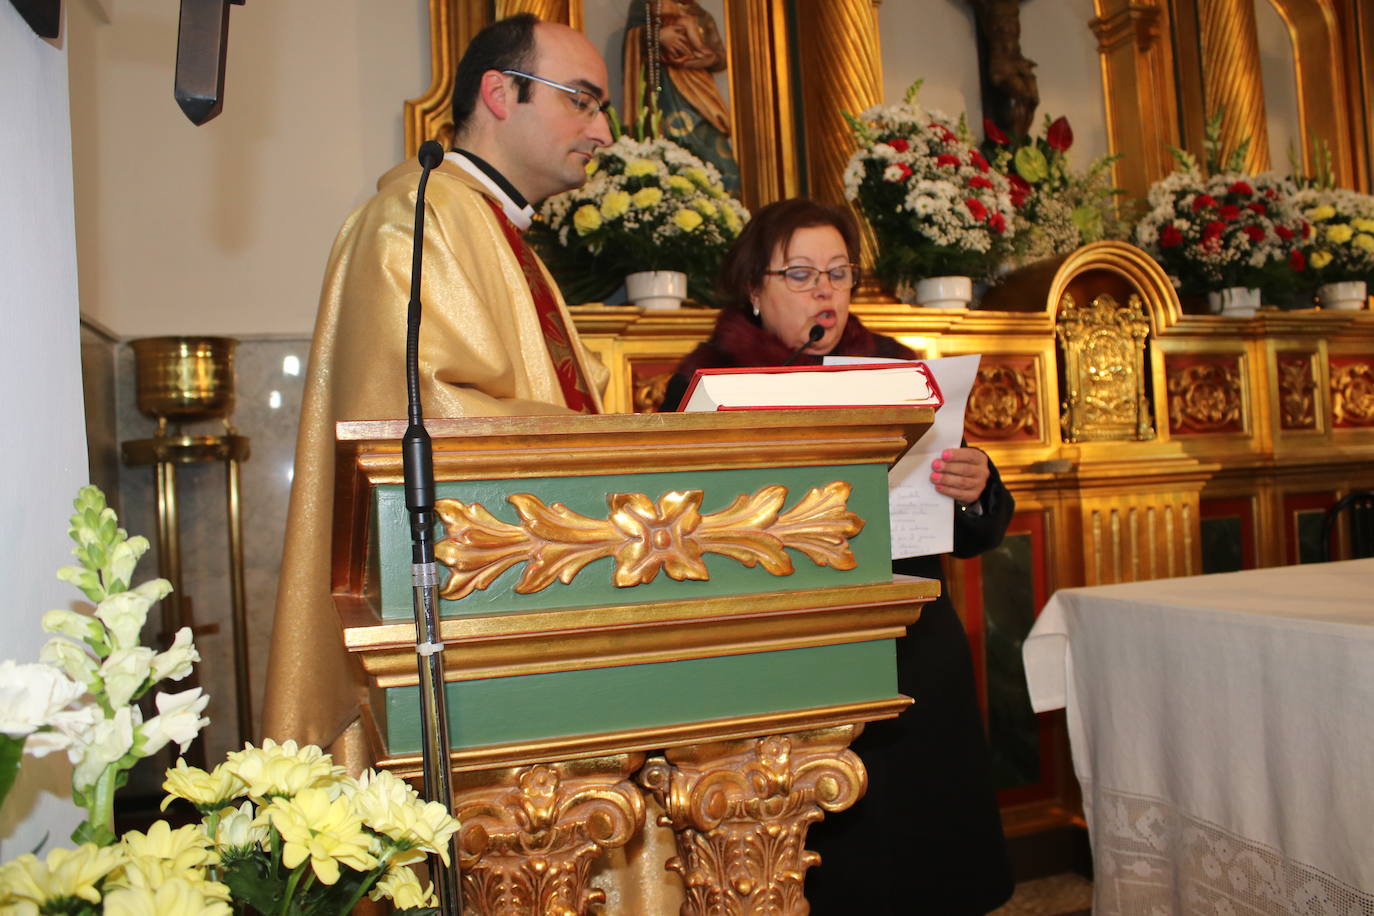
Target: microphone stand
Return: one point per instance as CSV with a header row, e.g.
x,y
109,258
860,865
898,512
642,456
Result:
x,y
815,334
418,473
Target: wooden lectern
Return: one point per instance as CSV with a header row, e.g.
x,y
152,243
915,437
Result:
x,y
697,607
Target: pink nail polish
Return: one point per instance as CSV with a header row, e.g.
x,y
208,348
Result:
x,y
935,478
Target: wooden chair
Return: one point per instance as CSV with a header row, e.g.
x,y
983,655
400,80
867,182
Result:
x,y
1359,505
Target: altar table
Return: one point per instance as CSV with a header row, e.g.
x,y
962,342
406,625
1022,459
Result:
x,y
1222,730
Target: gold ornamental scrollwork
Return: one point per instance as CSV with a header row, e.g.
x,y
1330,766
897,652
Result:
x,y
1297,392
1204,398
1352,394
1002,403
1104,369
643,537
531,835
740,811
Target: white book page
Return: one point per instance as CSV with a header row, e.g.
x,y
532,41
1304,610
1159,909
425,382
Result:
x,y
923,517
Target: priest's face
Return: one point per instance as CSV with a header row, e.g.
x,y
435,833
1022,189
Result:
x,y
813,257
554,135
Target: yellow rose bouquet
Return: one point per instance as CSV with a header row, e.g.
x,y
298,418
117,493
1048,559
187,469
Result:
x,y
647,205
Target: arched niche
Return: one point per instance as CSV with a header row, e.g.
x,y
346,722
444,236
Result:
x,y
1119,270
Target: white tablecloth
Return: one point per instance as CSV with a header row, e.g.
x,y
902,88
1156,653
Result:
x,y
1222,730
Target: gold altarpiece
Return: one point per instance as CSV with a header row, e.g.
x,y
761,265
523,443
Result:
x,y
1241,432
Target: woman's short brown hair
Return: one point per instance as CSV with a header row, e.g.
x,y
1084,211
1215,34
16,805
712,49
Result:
x,y
742,271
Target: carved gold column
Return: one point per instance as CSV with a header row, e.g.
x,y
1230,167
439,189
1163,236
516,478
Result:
x,y
1232,78
531,835
1138,82
841,71
740,811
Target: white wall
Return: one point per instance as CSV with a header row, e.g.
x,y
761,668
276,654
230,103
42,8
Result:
x,y
225,228
44,461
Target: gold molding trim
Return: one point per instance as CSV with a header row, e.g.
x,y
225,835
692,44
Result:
x,y
505,645
652,739
643,537
740,811
1133,265
531,835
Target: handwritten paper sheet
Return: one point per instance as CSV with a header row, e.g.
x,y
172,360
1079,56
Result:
x,y
923,517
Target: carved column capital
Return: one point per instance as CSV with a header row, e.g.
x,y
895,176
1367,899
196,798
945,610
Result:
x,y
741,809
531,835
1138,22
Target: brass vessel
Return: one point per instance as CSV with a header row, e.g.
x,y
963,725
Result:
x,y
185,378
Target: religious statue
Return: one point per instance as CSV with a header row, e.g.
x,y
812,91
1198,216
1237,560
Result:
x,y
1010,92
675,45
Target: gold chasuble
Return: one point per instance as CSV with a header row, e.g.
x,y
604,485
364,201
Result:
x,y
482,353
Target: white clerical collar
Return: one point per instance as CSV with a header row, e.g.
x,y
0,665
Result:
x,y
520,216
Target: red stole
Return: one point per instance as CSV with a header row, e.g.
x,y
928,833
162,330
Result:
x,y
576,392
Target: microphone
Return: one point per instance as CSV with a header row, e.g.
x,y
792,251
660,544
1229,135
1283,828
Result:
x,y
815,334
431,154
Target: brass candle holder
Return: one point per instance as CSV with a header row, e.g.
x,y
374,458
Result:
x,y
181,380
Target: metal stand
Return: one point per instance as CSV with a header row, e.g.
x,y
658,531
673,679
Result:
x,y
165,452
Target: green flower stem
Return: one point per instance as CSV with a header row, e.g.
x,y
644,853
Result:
x,y
276,852
100,807
366,886
291,888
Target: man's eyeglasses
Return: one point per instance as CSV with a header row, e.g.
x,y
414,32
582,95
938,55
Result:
x,y
801,279
586,104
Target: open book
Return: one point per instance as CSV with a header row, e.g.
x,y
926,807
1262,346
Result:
x,y
886,384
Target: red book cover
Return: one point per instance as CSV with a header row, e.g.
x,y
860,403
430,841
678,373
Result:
x,y
936,399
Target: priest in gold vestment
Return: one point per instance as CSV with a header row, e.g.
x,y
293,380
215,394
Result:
x,y
496,337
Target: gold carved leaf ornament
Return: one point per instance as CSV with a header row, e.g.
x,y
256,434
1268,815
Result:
x,y
643,537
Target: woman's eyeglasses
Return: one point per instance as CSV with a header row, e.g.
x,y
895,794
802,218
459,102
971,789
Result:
x,y
586,104
801,279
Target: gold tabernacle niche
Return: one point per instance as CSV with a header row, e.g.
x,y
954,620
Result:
x,y
1104,369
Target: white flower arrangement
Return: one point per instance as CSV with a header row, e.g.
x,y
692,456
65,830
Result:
x,y
1341,246
935,204
82,698
282,829
1225,230
647,205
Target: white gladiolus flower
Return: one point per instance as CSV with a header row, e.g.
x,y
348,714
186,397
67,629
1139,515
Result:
x,y
105,742
70,623
71,658
125,613
176,662
30,695
178,720
124,672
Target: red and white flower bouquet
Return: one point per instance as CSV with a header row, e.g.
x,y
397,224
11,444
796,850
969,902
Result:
x,y
936,205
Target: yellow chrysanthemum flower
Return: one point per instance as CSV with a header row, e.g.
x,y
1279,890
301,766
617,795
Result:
x,y
687,220
614,205
591,166
388,805
732,220
182,849
64,873
1317,214
705,208
1339,233
1319,259
151,872
174,897
586,219
207,791
402,888
1363,241
698,176
325,831
638,168
238,829
679,185
1363,225
647,197
283,769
